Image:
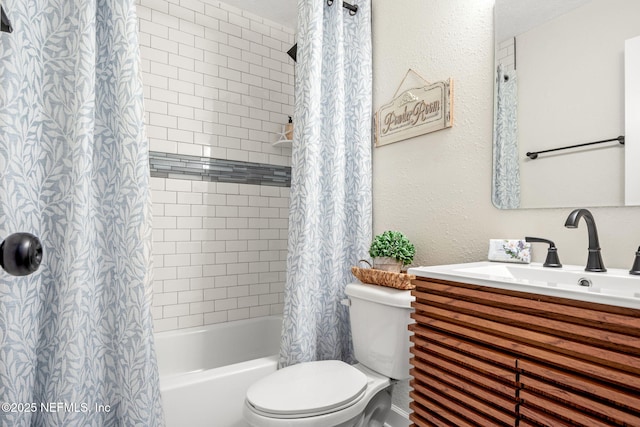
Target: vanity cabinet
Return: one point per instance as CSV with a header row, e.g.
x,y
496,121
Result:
x,y
492,357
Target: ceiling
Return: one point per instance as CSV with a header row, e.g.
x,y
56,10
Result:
x,y
281,11
514,17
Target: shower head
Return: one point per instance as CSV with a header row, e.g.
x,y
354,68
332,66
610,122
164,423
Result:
x,y
293,52
5,24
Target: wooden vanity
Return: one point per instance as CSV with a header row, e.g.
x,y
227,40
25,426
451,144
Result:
x,y
486,356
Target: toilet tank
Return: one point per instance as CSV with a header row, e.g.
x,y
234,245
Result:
x,y
379,320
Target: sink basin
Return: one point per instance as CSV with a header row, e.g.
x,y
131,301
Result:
x,y
614,287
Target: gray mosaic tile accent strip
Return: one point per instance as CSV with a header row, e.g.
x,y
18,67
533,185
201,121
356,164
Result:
x,y
181,166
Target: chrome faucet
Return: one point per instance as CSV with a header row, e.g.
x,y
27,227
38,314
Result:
x,y
594,260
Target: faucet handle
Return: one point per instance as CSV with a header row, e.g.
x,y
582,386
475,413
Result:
x,y
552,253
635,270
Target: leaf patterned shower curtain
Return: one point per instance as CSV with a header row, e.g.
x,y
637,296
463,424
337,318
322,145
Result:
x,y
506,164
330,208
76,345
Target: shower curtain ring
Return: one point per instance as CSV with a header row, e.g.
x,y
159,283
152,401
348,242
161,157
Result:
x,y
329,2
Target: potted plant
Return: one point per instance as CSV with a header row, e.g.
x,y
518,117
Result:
x,y
391,250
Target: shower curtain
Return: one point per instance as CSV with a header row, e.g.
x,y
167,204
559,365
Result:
x,y
330,208
506,166
76,345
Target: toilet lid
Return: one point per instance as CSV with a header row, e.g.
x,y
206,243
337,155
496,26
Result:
x,y
308,389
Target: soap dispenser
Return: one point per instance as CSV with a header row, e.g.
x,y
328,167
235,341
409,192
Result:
x,y
635,269
288,129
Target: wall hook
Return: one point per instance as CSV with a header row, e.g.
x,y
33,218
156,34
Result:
x,y
5,23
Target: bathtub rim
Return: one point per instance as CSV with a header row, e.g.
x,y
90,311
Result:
x,y
171,382
181,379
220,325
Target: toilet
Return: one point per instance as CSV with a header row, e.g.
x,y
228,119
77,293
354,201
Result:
x,y
331,393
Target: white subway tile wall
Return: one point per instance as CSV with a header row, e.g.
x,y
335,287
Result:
x,y
219,251
218,83
505,54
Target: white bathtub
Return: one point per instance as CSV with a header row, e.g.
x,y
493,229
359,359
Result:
x,y
205,371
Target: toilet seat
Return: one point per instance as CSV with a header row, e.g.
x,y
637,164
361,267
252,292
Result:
x,y
307,390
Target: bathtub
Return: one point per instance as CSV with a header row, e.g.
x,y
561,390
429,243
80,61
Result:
x,y
205,371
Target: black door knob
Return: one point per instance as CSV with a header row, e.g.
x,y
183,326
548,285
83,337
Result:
x,y
20,254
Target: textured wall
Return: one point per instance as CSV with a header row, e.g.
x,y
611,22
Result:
x,y
436,187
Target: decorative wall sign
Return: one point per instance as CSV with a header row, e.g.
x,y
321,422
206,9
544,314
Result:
x,y
415,112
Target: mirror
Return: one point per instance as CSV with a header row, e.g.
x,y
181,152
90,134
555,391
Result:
x,y
560,81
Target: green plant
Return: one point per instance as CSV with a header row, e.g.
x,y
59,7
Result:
x,y
393,244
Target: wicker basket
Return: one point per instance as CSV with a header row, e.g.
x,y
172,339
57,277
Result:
x,y
384,278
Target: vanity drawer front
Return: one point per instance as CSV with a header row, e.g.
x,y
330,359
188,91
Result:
x,y
458,345
431,413
473,359
474,387
431,403
506,327
626,398
591,315
529,351
567,391
533,417
526,423
515,315
454,376
536,406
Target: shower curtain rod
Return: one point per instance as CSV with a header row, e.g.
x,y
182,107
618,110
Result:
x,y
353,8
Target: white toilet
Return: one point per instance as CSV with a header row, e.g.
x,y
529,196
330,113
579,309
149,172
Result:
x,y
331,393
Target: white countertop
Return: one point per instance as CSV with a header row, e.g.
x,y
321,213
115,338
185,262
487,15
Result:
x,y
613,287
